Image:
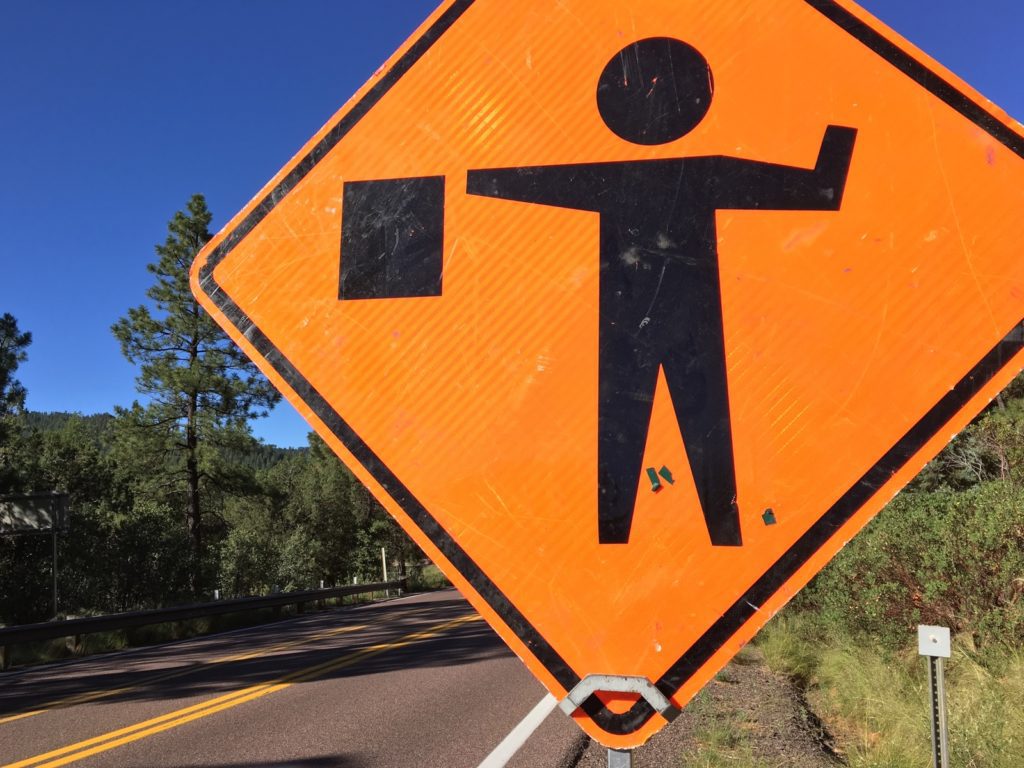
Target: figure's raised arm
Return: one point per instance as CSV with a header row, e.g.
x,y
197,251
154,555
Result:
x,y
741,184
564,186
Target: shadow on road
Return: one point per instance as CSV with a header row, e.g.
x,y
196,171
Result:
x,y
466,644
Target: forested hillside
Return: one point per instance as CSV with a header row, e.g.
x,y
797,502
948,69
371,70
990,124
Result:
x,y
287,519
254,454
171,497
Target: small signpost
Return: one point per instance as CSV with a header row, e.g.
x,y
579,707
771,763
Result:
x,y
632,318
934,643
36,513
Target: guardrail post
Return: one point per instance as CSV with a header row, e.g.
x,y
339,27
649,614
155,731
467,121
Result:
x,y
73,643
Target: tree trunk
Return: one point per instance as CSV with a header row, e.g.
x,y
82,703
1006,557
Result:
x,y
195,512
195,521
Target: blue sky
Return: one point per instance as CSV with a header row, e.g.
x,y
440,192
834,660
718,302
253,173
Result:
x,y
114,113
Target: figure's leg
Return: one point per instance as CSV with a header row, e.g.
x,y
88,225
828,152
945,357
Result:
x,y
696,375
625,398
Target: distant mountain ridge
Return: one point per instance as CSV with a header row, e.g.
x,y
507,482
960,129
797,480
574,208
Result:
x,y
258,456
52,421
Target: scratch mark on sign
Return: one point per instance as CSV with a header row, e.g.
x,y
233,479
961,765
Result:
x,y
965,248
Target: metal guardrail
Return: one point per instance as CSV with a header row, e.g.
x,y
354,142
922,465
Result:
x,y
49,630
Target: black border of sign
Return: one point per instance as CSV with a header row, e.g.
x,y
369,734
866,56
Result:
x,y
747,605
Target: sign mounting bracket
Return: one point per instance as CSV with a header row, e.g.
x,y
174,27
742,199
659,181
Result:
x,y
592,684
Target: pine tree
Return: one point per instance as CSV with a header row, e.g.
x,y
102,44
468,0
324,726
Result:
x,y
200,390
13,343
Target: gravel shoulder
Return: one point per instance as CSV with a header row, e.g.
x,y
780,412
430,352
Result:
x,y
747,717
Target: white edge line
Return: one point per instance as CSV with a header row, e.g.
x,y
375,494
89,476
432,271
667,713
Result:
x,y
518,736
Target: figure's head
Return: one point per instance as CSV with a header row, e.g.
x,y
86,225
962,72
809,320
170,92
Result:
x,y
655,91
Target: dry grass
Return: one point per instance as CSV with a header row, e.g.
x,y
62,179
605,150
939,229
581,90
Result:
x,y
876,703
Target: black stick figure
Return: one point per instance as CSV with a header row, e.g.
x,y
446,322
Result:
x,y
660,300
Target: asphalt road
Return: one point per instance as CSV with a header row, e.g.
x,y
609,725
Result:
x,y
419,681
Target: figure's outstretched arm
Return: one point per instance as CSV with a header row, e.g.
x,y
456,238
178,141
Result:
x,y
751,184
565,186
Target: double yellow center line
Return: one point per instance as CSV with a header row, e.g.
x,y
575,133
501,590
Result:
x,y
122,736
84,698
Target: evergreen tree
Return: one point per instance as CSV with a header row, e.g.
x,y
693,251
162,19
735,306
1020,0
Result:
x,y
13,343
200,390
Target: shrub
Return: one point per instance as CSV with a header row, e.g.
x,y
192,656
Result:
x,y
942,557
424,577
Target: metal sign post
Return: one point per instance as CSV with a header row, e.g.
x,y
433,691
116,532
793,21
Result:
x,y
620,758
934,642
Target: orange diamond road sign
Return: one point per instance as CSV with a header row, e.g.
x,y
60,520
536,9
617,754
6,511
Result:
x,y
633,317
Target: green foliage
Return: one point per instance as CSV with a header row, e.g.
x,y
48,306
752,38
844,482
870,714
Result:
x,y
120,553
874,699
251,550
96,424
256,456
25,587
992,448
145,560
426,576
67,460
948,551
172,496
13,343
188,366
302,553
950,558
201,391
307,519
312,522
319,499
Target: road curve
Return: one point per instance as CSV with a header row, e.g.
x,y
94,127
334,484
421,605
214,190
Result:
x,y
419,681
